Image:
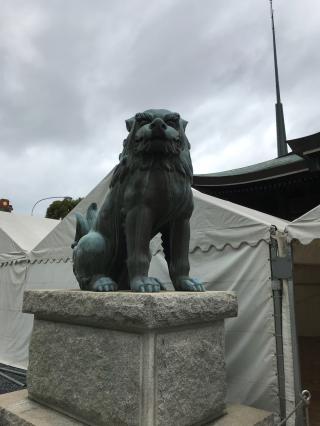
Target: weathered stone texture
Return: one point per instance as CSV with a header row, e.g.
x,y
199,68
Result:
x,y
87,372
143,360
190,368
129,310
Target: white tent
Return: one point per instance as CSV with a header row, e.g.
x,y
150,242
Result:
x,y
18,235
231,248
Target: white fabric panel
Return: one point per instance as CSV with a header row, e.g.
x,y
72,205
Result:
x,y
219,223
53,275
250,342
8,247
14,325
230,215
19,234
306,228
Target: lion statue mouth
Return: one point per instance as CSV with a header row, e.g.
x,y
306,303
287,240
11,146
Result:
x,y
157,146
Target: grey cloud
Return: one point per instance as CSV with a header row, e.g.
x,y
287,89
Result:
x,y
78,69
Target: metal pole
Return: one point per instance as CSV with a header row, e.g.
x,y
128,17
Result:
x,y
277,306
48,198
275,55
11,379
287,250
295,351
10,370
281,130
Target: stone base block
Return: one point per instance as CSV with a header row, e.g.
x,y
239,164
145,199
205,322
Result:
x,y
17,410
129,358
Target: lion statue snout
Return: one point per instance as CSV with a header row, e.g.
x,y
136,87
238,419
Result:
x,y
158,128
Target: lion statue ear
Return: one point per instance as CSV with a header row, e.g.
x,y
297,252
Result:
x,y
184,124
129,124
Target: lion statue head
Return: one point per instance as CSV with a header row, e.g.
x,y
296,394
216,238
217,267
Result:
x,y
156,139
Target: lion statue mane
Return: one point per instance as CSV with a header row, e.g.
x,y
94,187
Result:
x,y
150,192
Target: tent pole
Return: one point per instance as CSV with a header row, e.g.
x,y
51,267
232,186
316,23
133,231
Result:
x,y
277,306
295,353
285,251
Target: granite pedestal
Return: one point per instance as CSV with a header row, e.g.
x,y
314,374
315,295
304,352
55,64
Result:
x,y
129,358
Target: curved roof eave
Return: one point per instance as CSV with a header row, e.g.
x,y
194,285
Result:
x,y
282,166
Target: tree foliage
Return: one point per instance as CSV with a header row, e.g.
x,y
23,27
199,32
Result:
x,y
59,209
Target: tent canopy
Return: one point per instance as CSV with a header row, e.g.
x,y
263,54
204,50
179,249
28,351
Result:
x,y
215,222
306,228
20,233
57,244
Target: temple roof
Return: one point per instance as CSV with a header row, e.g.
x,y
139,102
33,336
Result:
x,y
288,164
306,145
292,163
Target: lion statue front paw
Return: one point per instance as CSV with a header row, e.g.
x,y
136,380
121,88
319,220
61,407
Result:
x,y
103,284
189,284
145,285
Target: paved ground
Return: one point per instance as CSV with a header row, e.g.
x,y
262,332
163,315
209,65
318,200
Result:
x,y
7,385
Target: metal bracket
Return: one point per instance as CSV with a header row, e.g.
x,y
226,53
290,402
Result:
x,y
281,267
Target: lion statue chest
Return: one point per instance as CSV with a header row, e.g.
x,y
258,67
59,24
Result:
x,y
164,193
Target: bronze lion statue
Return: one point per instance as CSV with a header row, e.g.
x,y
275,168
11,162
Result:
x,y
150,192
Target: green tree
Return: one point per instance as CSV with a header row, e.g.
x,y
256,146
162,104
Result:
x,y
59,209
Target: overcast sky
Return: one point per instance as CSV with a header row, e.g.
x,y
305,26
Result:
x,y
72,71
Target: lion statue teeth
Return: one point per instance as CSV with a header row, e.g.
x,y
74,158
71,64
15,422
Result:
x,y
150,192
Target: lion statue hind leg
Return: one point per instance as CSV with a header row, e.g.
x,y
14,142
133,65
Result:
x,y
90,257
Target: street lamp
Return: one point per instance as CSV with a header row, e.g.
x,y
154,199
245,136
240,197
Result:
x,y
48,198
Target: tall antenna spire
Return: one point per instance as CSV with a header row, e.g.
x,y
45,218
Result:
x,y
281,130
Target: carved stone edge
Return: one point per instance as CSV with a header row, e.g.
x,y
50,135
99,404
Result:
x,y
128,310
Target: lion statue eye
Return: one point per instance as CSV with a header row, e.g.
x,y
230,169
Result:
x,y
143,119
143,122
172,123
